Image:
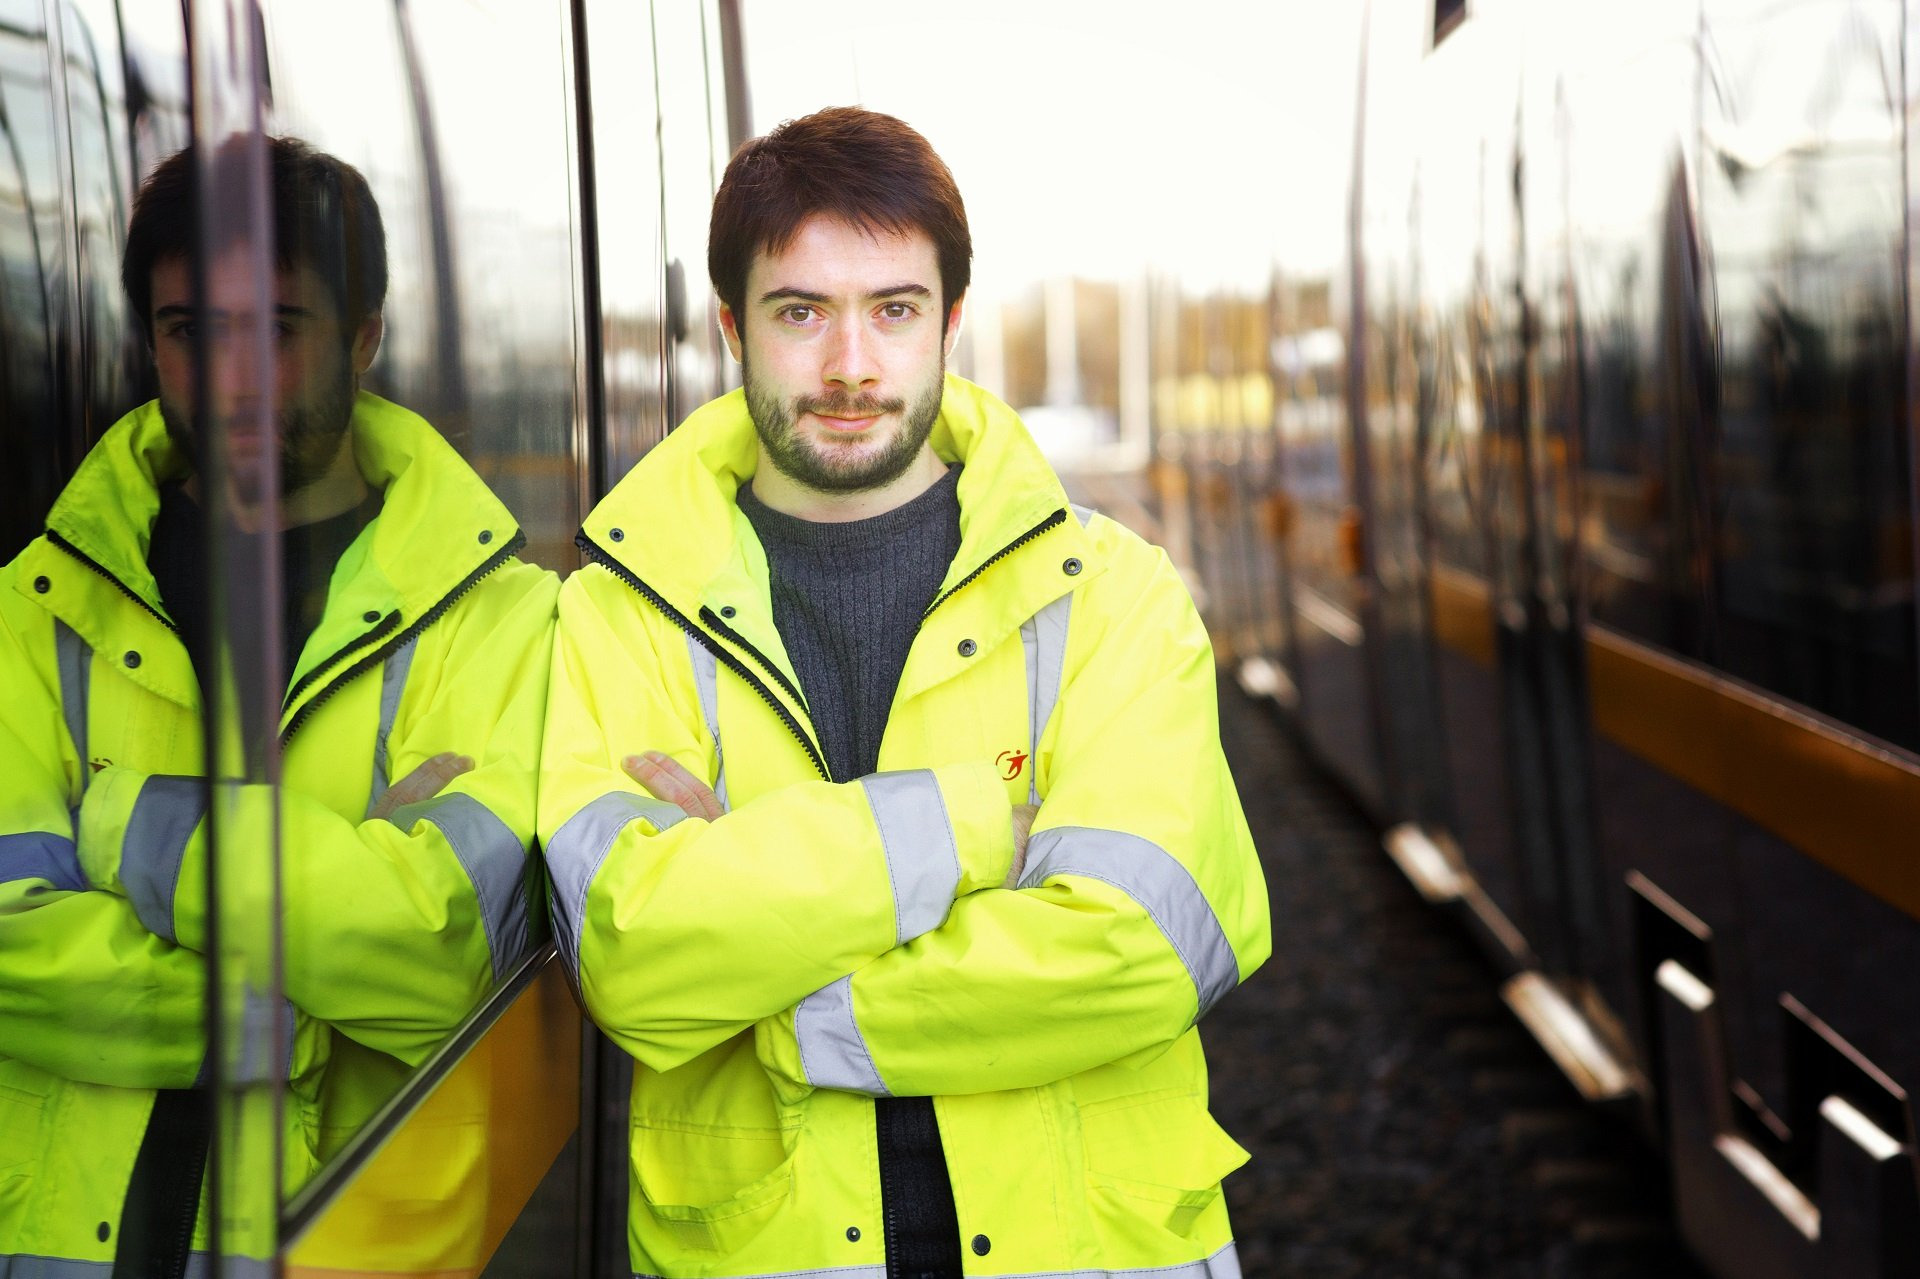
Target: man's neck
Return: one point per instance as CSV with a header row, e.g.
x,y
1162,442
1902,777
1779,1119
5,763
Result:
x,y
337,490
783,493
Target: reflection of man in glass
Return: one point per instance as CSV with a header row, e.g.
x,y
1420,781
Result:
x,y
415,648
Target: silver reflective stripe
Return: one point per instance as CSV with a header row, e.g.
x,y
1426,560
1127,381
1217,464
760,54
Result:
x,y
13,1267
495,861
832,1052
1044,637
75,659
1224,1264
922,861
40,855
1155,879
576,850
163,820
265,1023
706,677
393,680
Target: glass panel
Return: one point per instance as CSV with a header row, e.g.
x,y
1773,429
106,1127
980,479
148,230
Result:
x,y
416,683
36,432
626,179
686,48
104,851
221,317
1803,214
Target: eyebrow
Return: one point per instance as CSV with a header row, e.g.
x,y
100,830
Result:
x,y
785,293
177,310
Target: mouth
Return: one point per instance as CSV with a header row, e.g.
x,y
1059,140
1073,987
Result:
x,y
845,425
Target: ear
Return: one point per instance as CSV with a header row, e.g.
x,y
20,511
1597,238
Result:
x,y
366,342
730,330
953,323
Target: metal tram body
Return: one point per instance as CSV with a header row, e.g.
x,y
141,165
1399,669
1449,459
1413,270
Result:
x,y
545,173
1580,542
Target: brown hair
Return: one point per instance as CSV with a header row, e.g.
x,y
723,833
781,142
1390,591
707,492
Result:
x,y
323,216
857,166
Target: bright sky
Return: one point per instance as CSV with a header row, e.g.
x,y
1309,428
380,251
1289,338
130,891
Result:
x,y
1095,138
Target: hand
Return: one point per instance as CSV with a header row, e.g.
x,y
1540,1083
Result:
x,y
1023,815
423,783
666,780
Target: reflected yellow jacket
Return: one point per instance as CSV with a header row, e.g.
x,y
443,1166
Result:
x,y
434,638
830,940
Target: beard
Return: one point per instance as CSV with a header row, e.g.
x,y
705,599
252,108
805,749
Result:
x,y
308,435
832,466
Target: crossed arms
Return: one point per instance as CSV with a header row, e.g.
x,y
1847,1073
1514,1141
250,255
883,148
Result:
x,y
873,934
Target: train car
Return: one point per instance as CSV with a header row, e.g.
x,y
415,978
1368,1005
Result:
x,y
544,171
1592,503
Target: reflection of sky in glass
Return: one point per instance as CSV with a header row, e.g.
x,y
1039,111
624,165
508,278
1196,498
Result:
x,y
1091,142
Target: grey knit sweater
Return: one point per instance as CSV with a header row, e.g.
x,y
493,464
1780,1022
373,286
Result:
x,y
847,599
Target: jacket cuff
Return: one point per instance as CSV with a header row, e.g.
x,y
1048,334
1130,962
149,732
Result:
x,y
982,819
137,834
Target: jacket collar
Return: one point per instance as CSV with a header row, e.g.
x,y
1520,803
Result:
x,y
1006,489
428,538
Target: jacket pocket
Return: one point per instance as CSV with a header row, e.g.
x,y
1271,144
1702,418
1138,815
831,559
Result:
x,y
1157,1160
710,1189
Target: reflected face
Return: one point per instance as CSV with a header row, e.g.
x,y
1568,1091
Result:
x,y
307,381
843,352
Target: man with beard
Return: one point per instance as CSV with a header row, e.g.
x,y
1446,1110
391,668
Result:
x,y
882,794
415,652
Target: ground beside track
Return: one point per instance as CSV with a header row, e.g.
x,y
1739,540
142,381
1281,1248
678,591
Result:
x,y
1401,1122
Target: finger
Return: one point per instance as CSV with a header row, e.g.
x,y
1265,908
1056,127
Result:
x,y
426,780
666,779
422,782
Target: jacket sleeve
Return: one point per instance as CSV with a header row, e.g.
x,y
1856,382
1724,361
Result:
x,y
86,992
393,927
1142,903
682,933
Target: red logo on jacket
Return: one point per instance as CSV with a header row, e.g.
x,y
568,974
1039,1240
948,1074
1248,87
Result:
x,y
1013,762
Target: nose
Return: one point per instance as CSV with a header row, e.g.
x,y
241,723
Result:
x,y
238,367
851,358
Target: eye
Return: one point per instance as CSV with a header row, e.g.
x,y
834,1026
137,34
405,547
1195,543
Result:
x,y
899,310
798,313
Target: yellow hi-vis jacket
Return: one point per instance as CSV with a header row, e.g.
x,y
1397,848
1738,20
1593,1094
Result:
x,y
831,940
434,638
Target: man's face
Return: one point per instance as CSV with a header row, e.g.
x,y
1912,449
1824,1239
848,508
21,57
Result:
x,y
307,382
843,351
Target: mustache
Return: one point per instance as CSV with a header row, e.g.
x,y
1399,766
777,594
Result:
x,y
848,405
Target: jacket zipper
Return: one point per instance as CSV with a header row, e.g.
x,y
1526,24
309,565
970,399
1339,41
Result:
x,y
387,623
379,655
712,619
725,656
1054,520
103,571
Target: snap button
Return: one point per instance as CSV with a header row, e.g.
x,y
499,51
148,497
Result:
x,y
982,1245
1072,567
132,659
486,535
369,616
102,1232
853,1234
727,610
968,648
618,535
42,585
